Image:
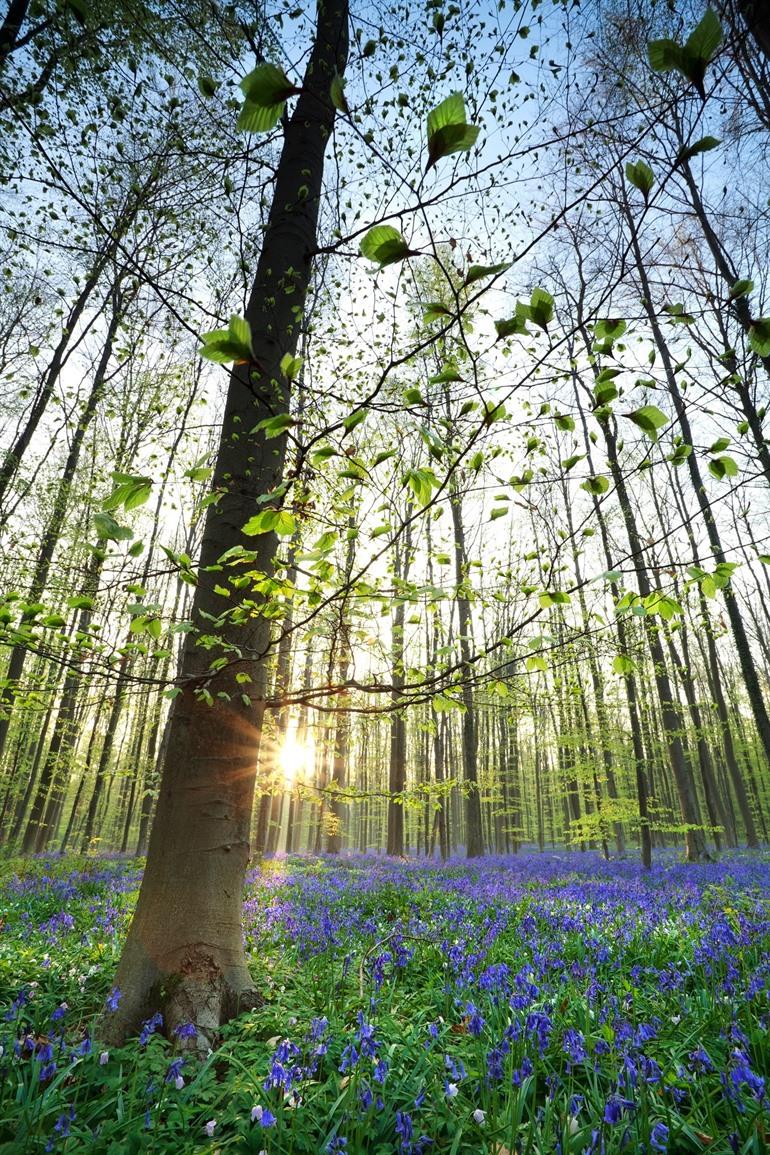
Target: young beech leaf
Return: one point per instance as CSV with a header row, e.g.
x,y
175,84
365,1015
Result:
x,y
478,272
384,245
541,308
691,58
435,309
622,664
274,426
741,288
266,91
278,521
337,93
230,344
609,329
107,527
448,374
649,419
641,176
596,486
759,337
448,129
705,144
721,467
290,366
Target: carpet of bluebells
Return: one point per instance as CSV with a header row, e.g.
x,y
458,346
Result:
x,y
532,1004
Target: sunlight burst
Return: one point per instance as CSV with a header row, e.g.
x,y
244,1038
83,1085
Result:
x,y
296,757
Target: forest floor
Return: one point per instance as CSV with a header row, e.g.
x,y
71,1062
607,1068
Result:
x,y
533,1004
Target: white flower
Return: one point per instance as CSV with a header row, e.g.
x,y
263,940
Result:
x,y
210,1127
479,1116
179,1082
104,1058
256,1113
451,1090
574,1126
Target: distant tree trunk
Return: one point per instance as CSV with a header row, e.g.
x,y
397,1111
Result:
x,y
695,842
397,771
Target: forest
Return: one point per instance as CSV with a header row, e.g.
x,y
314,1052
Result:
x,y
384,576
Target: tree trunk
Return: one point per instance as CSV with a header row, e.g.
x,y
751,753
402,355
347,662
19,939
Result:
x,y
184,950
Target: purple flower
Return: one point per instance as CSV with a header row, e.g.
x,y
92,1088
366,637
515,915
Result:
x,y
404,1129
149,1027
113,998
659,1137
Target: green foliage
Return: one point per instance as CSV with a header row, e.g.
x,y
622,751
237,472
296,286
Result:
x,y
705,144
641,176
596,485
130,491
266,90
230,344
692,58
278,521
384,245
448,129
649,419
722,467
108,528
759,336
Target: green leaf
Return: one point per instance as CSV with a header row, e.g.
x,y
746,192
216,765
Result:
x,y
721,467
705,144
448,129
422,483
107,527
513,326
130,492
413,396
274,426
610,329
478,272
564,421
449,373
596,485
290,366
337,93
678,314
605,389
569,462
384,245
665,56
640,176
622,664
534,663
354,419
681,452
649,419
80,602
692,58
705,38
230,344
550,598
266,91
498,511
206,86
759,337
741,288
435,310
541,308
719,445
278,521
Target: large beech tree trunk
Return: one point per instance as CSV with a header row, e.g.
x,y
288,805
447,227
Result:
x,y
184,953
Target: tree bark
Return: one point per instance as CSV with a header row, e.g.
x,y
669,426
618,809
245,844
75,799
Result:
x,y
184,952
